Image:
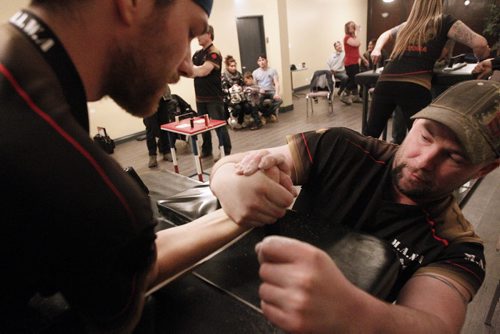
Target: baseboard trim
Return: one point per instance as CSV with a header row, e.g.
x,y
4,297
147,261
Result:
x,y
286,108
130,137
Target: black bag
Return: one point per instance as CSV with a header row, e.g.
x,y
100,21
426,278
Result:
x,y
102,138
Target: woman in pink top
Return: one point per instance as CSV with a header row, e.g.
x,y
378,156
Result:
x,y
351,62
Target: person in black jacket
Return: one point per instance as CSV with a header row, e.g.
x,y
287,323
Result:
x,y
170,105
153,130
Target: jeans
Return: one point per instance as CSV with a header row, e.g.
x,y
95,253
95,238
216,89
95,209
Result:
x,y
271,108
342,78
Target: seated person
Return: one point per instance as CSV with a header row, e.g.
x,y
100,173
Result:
x,y
363,66
251,103
268,81
232,82
402,194
336,65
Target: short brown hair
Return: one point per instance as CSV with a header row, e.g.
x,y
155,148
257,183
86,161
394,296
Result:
x,y
211,32
247,75
346,27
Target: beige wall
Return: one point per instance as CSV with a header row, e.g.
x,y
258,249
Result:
x,y
296,31
314,25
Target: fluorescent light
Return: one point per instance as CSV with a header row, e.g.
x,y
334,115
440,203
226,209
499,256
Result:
x,y
387,1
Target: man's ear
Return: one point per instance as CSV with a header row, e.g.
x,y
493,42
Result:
x,y
488,168
127,10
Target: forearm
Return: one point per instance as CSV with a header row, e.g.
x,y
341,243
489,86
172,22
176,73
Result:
x,y
229,159
382,40
199,71
354,41
381,317
180,247
277,87
463,34
203,70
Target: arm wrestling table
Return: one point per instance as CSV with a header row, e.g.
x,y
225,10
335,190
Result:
x,y
192,127
221,294
441,78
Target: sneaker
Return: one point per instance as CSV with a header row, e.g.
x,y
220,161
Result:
x,y
273,118
346,99
167,157
204,155
255,126
152,161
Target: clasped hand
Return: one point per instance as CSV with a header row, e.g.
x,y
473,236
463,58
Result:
x,y
257,190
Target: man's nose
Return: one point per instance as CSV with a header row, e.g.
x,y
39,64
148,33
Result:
x,y
186,67
428,158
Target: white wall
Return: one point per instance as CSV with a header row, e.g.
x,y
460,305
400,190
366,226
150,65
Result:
x,y
307,27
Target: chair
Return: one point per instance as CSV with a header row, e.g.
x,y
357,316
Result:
x,y
322,86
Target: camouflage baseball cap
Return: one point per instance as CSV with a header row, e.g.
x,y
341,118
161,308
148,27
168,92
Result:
x,y
471,110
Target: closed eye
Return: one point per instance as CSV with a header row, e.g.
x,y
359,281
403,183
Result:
x,y
457,158
425,138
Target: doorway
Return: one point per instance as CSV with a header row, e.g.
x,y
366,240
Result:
x,y
251,39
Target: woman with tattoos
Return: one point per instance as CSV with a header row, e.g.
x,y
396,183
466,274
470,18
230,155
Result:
x,y
406,78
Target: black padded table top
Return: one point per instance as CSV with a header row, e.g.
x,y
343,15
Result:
x,y
221,295
368,262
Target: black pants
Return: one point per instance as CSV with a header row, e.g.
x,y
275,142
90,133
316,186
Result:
x,y
411,98
216,111
351,71
153,131
268,105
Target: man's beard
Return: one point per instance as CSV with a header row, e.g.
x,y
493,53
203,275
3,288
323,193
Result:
x,y
417,192
134,85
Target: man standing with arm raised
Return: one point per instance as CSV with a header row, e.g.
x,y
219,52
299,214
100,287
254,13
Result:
x,y
208,88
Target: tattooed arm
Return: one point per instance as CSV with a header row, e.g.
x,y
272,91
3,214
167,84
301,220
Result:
x,y
463,34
